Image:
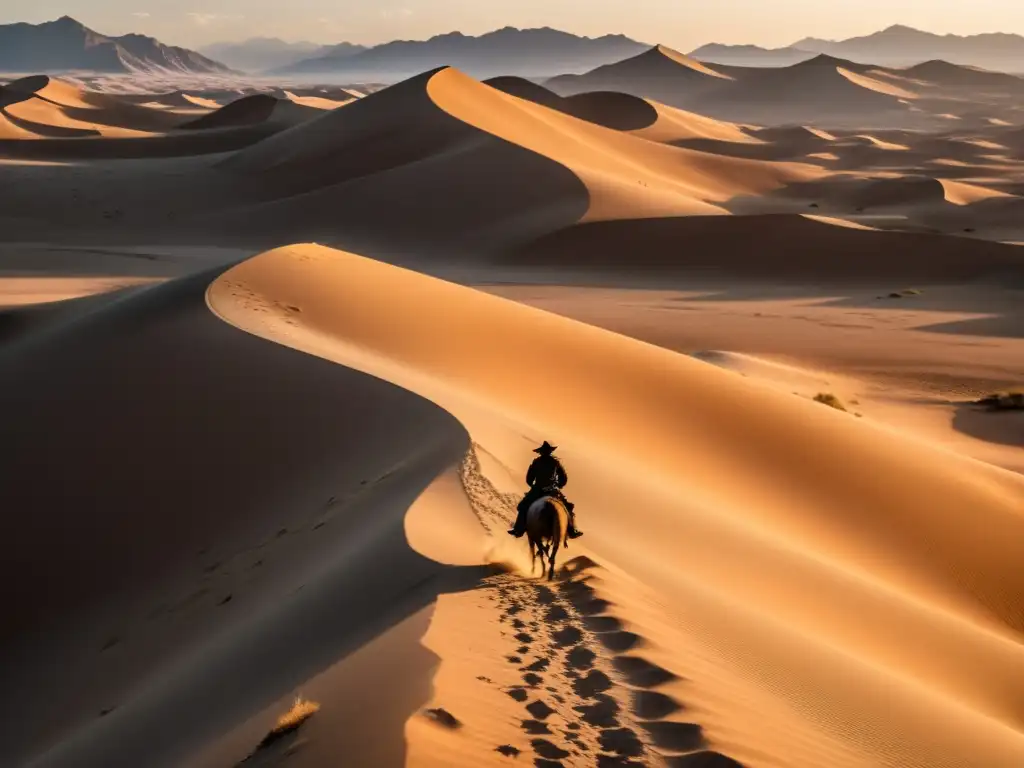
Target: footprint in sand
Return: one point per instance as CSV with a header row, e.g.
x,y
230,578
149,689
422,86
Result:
x,y
679,737
555,614
544,595
651,705
621,741
594,683
641,673
620,642
567,636
602,624
603,713
580,657
539,710
535,727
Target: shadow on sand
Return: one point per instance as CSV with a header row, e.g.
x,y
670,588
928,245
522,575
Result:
x,y
148,431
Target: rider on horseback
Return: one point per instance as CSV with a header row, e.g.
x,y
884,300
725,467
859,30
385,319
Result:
x,y
546,477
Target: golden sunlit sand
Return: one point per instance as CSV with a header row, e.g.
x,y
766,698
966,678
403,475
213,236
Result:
x,y
276,362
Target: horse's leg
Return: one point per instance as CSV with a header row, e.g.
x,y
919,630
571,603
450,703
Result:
x,y
533,556
551,560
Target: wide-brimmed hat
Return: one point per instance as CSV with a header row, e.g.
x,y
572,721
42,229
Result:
x,y
546,448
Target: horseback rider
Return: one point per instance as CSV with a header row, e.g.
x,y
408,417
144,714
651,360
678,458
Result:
x,y
546,477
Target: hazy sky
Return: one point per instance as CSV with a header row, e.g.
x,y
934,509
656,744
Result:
x,y
682,24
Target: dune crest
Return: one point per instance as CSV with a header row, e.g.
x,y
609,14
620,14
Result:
x,y
685,61
675,181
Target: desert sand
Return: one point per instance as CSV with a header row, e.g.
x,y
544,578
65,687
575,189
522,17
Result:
x,y
275,361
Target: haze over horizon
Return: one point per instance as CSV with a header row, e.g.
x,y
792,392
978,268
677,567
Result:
x,y
654,21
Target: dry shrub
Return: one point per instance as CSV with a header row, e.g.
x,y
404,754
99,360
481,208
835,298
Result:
x,y
291,720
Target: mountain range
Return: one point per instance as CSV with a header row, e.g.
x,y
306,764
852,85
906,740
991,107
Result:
x,y
260,54
895,46
508,51
68,45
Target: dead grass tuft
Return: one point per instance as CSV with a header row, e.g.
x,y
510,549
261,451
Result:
x,y
291,720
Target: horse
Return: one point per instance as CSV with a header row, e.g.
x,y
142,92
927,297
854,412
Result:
x,y
547,522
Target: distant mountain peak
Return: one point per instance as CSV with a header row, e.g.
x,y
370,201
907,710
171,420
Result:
x,y
903,28
65,44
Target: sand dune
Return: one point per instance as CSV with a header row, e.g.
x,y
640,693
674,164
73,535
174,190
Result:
x,y
873,84
822,91
802,133
642,117
12,129
199,101
874,141
147,596
959,193
789,247
624,176
943,73
238,480
67,110
59,121
608,108
661,74
57,92
316,102
876,548
255,110
173,100
675,125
